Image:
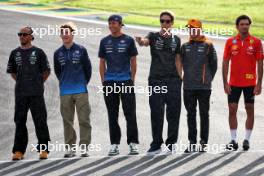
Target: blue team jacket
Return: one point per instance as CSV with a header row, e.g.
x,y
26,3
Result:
x,y
73,69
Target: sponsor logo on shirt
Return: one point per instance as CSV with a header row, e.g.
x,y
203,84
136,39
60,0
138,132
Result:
x,y
33,58
250,76
234,50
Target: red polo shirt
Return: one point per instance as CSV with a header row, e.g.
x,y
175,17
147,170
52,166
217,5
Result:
x,y
243,55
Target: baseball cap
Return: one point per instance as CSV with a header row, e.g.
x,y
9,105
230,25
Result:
x,y
117,18
195,23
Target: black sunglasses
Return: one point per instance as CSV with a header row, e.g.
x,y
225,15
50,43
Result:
x,y
22,34
165,21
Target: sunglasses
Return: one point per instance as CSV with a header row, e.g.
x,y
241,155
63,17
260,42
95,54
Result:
x,y
22,34
165,21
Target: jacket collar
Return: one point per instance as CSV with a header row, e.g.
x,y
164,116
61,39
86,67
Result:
x,y
72,47
238,37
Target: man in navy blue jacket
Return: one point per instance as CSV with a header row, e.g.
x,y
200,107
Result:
x,y
118,64
73,70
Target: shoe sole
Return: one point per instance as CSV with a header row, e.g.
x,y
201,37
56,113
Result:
x,y
113,154
245,148
42,158
133,153
17,159
70,156
154,152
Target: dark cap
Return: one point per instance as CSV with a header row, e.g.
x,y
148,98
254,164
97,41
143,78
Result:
x,y
117,18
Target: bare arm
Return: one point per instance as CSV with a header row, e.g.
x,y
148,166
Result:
x,y
260,71
225,69
258,88
142,41
45,75
14,76
102,68
133,67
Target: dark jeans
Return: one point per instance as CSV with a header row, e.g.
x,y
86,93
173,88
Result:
x,y
37,106
112,101
191,97
157,102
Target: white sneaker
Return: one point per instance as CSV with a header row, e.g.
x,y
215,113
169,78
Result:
x,y
133,150
113,150
70,154
166,151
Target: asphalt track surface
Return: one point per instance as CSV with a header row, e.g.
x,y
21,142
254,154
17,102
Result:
x,y
221,163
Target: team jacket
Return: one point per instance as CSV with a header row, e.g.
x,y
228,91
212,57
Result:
x,y
73,69
199,64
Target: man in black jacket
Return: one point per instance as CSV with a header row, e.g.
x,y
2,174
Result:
x,y
165,58
29,67
199,62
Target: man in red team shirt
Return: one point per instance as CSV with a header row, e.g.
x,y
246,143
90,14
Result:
x,y
244,52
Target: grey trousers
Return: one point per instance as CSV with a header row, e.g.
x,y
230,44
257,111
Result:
x,y
67,107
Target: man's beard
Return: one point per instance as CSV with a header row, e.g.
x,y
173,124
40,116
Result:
x,y
24,43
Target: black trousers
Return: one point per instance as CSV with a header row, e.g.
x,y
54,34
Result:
x,y
191,97
37,106
112,101
157,102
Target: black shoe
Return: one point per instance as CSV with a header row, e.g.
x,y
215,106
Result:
x,y
245,145
232,146
203,146
190,148
154,150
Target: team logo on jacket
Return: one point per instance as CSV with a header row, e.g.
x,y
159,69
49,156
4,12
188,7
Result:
x,y
60,54
76,57
234,50
109,41
18,58
250,50
33,58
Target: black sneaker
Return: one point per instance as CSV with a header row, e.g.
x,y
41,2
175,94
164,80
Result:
x,y
232,146
190,148
245,145
203,146
154,150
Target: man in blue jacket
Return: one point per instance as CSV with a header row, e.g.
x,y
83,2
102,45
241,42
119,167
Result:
x,y
73,70
118,64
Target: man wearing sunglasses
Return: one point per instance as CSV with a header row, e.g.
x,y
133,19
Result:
x,y
29,67
164,72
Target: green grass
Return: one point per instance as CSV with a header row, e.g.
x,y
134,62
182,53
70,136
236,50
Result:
x,y
214,13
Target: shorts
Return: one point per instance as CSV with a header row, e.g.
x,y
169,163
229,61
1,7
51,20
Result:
x,y
248,92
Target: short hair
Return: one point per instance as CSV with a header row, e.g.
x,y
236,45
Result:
x,y
243,17
169,13
69,25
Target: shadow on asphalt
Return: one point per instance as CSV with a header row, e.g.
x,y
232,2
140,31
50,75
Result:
x,y
138,166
